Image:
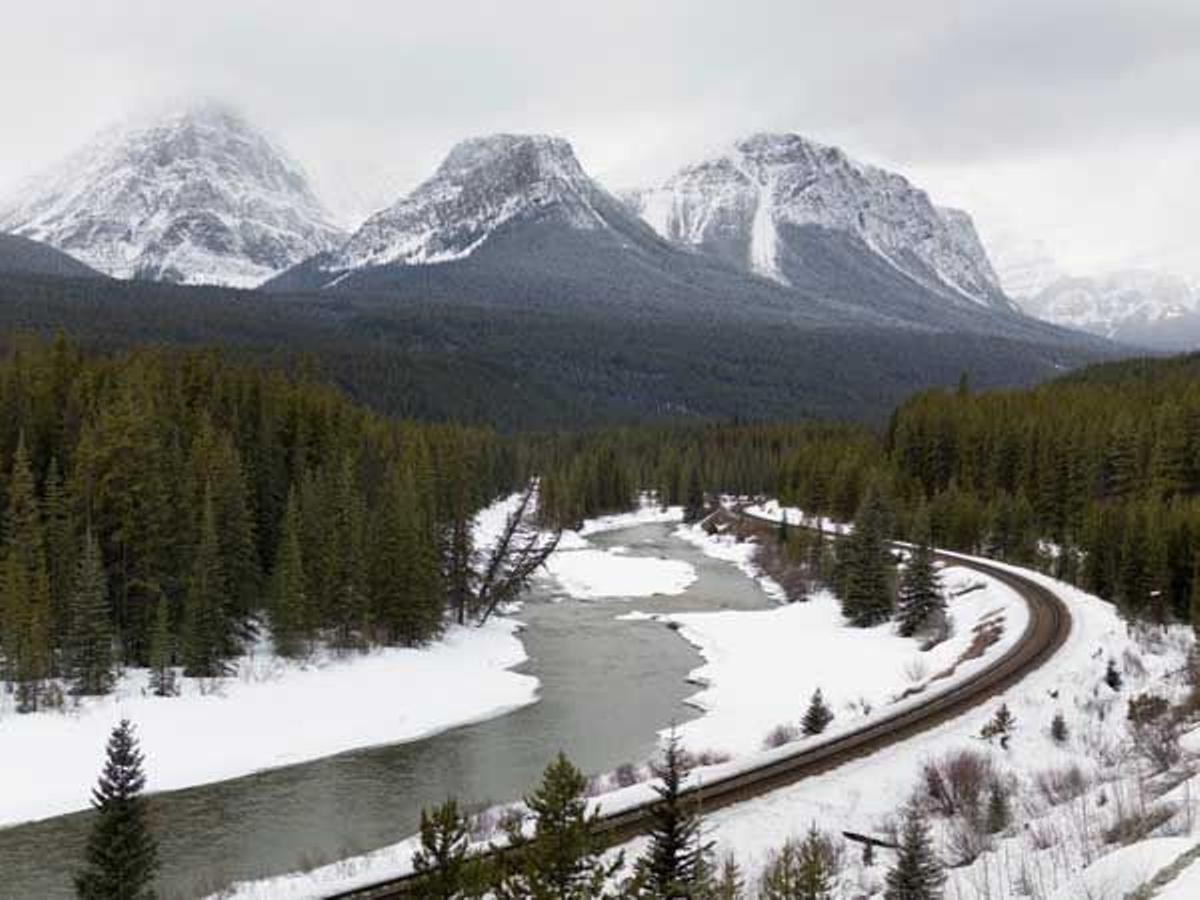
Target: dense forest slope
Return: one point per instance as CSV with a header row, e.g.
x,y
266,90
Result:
x,y
442,358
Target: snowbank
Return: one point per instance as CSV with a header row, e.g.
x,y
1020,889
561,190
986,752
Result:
x,y
588,572
762,667
728,548
1123,871
262,718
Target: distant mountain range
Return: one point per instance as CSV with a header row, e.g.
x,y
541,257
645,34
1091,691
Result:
x,y
777,279
193,196
1138,306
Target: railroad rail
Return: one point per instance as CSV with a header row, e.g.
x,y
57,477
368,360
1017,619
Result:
x,y
1047,629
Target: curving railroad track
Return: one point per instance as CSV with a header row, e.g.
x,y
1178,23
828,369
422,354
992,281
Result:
x,y
1048,627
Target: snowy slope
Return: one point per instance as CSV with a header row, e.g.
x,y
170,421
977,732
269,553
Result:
x,y
483,184
195,196
1119,305
746,205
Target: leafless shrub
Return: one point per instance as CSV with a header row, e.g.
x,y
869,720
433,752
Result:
x,y
1061,785
596,785
780,735
1138,824
915,670
1155,730
707,758
627,775
1132,664
956,784
485,824
1043,835
937,629
966,841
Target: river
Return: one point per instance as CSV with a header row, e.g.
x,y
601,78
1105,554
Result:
x,y
607,687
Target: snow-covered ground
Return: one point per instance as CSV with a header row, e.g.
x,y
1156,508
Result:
x,y
761,668
1055,850
588,572
272,713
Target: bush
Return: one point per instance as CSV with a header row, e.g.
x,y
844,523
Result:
x,y
627,775
1058,728
957,783
780,735
1061,785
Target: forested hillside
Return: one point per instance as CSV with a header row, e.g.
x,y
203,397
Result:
x,y
1095,477
161,508
560,364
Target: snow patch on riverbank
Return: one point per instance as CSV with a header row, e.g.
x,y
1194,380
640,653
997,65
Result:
x,y
271,714
728,548
762,667
588,572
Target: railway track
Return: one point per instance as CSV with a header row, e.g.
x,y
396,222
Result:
x,y
1048,627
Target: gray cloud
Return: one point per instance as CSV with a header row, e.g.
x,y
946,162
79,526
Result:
x,y
1072,118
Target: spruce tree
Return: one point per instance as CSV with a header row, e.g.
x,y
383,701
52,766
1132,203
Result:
x,y
290,613
206,639
674,863
800,870
728,884
1058,728
917,873
162,653
921,597
1112,675
446,870
818,715
563,860
694,505
865,564
122,856
90,645
999,810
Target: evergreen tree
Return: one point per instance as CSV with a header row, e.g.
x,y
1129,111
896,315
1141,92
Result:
x,y
206,639
728,884
917,874
90,647
673,864
61,552
866,565
291,616
162,653
122,855
695,507
920,595
818,715
563,859
999,810
1112,675
800,870
1058,728
447,872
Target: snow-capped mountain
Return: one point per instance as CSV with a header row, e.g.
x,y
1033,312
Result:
x,y
1137,306
483,184
195,196
751,205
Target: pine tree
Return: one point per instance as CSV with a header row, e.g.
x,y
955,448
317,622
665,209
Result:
x,y
920,596
673,863
866,566
1112,675
90,644
162,653
291,616
563,860
800,870
206,639
999,810
446,870
694,505
818,715
729,884
917,874
61,552
1058,728
122,855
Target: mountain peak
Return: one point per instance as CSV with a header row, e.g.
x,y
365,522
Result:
x,y
192,193
751,204
483,184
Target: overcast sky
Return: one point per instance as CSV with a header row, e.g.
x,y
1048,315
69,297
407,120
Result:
x,y
1076,122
